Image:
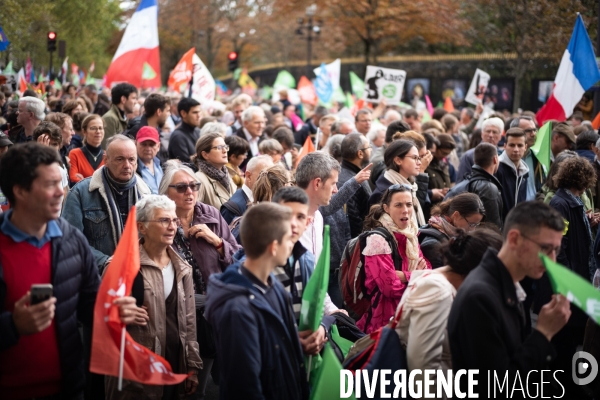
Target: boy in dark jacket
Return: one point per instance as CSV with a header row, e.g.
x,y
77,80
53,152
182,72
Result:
x,y
256,334
513,172
487,327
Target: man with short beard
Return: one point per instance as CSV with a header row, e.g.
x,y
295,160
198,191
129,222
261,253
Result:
x,y
124,98
356,154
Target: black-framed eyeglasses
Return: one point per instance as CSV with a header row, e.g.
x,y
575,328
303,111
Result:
x,y
547,249
221,147
472,225
183,187
166,222
530,131
416,158
366,148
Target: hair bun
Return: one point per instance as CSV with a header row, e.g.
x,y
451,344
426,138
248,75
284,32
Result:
x,y
458,242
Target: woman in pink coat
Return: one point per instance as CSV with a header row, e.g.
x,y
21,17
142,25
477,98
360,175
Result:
x,y
384,280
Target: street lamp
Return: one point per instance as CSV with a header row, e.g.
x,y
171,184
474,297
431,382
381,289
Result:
x,y
311,27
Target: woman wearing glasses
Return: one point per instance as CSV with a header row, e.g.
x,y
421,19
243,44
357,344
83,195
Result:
x,y
464,211
164,287
392,254
403,165
204,240
90,157
211,159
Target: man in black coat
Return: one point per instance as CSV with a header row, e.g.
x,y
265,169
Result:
x,y
483,183
41,354
487,325
182,143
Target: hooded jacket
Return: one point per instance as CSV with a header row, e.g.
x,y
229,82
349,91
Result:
x,y
514,183
259,350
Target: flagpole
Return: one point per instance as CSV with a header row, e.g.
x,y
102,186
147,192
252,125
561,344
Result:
x,y
121,359
309,367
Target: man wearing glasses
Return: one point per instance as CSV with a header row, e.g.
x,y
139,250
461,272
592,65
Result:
x,y
363,121
491,132
537,174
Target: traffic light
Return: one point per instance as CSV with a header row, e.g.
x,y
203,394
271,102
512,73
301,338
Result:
x,y
233,58
51,41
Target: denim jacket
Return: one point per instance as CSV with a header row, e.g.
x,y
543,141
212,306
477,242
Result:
x,y
86,208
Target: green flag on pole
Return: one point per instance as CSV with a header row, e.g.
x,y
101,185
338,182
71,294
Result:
x,y
327,382
577,290
426,116
357,84
9,69
541,148
285,80
349,100
313,298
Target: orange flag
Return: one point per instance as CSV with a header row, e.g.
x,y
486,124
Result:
x,y
307,92
308,147
448,106
140,364
182,73
596,121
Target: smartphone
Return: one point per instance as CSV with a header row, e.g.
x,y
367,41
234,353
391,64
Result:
x,y
40,293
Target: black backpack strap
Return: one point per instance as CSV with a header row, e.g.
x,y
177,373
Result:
x,y
432,232
393,245
233,207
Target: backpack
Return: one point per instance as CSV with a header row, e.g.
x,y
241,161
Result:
x,y
462,187
131,124
428,231
352,274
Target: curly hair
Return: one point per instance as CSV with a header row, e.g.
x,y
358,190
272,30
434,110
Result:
x,y
575,173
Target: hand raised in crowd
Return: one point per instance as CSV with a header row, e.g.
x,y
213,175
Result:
x,y
203,231
425,161
422,264
130,313
30,319
191,382
478,109
364,174
553,316
312,342
44,139
438,194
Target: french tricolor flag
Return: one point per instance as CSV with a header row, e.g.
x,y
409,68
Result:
x,y
137,59
577,72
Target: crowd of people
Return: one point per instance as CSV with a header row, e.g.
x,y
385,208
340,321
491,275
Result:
x,y
449,216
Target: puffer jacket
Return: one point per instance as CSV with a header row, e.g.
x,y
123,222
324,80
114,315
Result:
x,y
154,335
87,209
75,283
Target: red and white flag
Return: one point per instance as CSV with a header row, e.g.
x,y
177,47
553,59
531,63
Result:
x,y
139,363
22,81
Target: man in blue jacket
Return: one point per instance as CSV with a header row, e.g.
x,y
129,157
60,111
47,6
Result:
x,y
251,313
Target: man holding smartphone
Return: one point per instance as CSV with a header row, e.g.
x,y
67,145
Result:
x,y
40,349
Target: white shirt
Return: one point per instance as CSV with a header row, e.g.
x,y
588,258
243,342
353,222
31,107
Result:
x,y
253,141
312,238
248,193
168,273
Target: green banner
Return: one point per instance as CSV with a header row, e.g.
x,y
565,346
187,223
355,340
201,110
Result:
x,y
285,80
313,298
357,84
541,148
327,380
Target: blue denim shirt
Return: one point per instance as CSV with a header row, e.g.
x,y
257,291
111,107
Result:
x,y
153,181
9,229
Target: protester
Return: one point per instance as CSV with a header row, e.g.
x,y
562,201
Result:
x,y
325,127
65,123
239,105
383,277
166,294
203,239
463,212
310,127
513,172
99,206
182,143
252,314
585,143
595,164
363,120
41,353
439,167
238,151
87,159
486,327
253,120
460,139
272,148
537,175
378,156
211,159
376,137
427,300
237,205
268,182
30,114
124,98
491,132
147,143
562,139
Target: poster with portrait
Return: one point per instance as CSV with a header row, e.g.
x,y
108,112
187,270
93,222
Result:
x,y
455,89
500,94
478,87
544,90
384,84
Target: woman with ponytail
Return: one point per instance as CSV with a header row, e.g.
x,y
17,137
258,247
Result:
x,y
428,299
391,254
269,181
464,211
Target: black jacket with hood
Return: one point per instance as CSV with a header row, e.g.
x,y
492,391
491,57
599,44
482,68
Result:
x,y
514,183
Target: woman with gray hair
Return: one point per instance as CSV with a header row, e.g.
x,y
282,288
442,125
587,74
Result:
x,y
214,127
164,286
204,240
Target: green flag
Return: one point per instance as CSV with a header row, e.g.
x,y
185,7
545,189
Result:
x,y
148,73
327,383
313,298
541,148
577,290
9,69
237,73
343,344
338,95
426,116
285,80
57,84
349,100
357,84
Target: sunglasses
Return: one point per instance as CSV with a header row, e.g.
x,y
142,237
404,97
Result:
x,y
183,187
399,186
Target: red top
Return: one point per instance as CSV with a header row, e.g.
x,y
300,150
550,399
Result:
x,y
31,368
80,165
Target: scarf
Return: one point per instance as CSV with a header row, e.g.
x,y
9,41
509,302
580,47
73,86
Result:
x,y
591,261
394,177
441,224
120,199
219,175
412,242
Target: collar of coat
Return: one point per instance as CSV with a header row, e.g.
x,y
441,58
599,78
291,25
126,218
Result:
x,y
179,265
496,268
